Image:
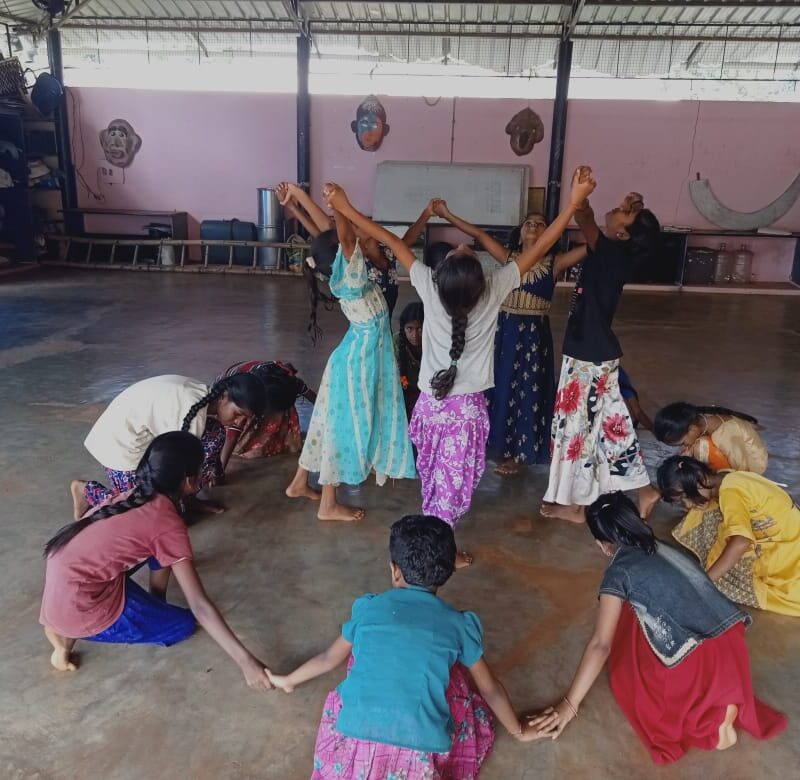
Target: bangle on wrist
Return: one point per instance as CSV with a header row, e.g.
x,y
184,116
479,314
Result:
x,y
571,706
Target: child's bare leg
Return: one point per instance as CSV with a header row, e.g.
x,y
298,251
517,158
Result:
x,y
159,581
648,498
299,487
727,732
80,506
574,513
331,510
61,657
204,506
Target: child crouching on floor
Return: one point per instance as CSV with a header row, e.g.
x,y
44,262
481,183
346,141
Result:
x,y
408,706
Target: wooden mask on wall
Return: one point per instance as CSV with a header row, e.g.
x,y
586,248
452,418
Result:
x,y
370,126
526,130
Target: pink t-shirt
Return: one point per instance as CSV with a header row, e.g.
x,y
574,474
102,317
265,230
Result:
x,y
84,588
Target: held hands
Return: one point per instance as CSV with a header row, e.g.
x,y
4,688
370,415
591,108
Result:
x,y
280,681
552,721
256,675
583,184
438,207
536,726
335,196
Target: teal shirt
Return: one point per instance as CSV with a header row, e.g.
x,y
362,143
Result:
x,y
405,641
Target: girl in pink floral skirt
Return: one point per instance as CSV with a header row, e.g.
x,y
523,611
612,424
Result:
x,y
408,707
594,445
450,424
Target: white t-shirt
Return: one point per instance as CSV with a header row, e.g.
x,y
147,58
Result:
x,y
476,364
140,413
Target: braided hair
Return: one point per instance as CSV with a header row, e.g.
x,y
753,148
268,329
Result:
x,y
460,282
681,476
323,254
168,460
244,390
614,518
673,421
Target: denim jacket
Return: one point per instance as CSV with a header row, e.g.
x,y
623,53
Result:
x,y
677,605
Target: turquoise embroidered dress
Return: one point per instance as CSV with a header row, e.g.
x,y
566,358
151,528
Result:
x,y
359,423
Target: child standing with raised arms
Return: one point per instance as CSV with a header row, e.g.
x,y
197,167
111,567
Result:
x,y
450,424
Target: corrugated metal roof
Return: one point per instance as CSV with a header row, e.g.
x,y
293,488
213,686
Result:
x,y
602,18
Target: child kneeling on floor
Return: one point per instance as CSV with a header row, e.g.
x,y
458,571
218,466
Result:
x,y
408,707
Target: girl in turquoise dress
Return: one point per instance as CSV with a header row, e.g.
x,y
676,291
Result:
x,y
359,423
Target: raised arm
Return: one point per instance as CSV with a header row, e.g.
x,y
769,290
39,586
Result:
x,y
415,231
494,248
318,216
320,664
345,234
583,185
337,199
566,260
210,619
584,216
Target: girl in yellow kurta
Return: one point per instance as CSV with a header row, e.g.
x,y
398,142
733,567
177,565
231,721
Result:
x,y
744,528
719,437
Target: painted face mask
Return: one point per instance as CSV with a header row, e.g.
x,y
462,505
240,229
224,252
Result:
x,y
370,126
120,143
526,130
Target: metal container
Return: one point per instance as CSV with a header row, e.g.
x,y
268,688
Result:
x,y
742,266
723,265
269,227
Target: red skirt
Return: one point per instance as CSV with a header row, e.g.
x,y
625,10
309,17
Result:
x,y
675,709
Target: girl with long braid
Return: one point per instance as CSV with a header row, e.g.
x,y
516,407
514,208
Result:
x,y
88,593
157,405
450,424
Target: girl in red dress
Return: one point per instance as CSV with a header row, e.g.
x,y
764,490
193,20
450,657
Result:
x,y
677,658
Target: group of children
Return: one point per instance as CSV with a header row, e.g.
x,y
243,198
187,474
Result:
x,y
418,698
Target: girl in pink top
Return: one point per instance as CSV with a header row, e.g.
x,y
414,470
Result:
x,y
88,593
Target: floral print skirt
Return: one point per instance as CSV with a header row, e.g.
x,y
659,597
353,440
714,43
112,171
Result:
x,y
594,445
347,758
450,436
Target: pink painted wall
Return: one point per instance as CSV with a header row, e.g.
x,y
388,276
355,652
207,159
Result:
x,y
204,153
207,153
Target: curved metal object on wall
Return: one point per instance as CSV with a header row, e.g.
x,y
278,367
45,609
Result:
x,y
707,203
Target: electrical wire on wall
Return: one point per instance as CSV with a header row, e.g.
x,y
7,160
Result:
x,y
78,161
688,176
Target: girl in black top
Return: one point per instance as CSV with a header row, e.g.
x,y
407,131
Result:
x,y
594,444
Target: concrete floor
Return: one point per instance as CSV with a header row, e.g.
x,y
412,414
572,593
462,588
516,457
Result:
x,y
70,340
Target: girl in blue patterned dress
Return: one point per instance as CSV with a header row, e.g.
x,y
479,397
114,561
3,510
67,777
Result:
x,y
359,424
522,399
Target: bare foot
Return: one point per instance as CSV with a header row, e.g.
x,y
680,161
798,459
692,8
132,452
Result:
x,y
508,468
80,506
302,491
63,660
727,733
341,514
573,513
62,657
463,559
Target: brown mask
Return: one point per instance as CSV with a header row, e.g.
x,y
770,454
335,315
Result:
x,y
526,130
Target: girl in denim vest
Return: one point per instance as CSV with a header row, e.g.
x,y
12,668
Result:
x,y
677,660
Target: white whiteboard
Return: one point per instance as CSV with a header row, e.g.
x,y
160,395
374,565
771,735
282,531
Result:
x,y
490,195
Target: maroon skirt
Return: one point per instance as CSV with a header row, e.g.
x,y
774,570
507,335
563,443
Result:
x,y
675,709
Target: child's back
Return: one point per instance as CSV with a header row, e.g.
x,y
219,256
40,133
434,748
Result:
x,y
405,642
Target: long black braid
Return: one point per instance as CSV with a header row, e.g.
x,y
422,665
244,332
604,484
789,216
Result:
x,y
460,283
245,390
323,254
168,460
